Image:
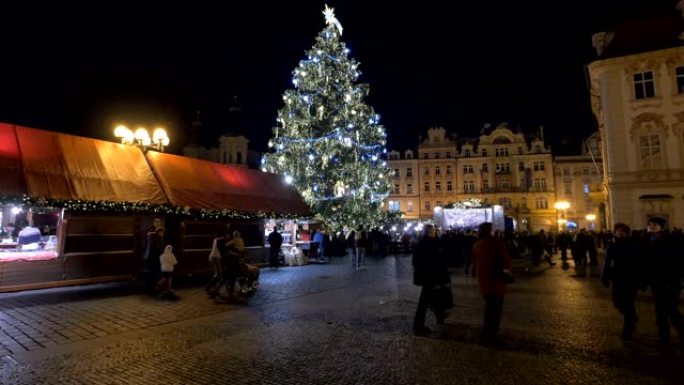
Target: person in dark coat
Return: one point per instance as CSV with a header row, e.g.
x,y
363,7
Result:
x,y
493,264
621,274
155,247
663,275
275,240
429,272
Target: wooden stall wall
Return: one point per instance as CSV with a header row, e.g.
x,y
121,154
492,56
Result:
x,y
100,245
196,237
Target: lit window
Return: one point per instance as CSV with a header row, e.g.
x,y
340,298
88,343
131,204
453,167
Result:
x,y
394,206
409,206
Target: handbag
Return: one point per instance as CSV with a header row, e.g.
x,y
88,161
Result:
x,y
442,299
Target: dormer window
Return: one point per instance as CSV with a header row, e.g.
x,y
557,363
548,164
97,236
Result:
x,y
466,153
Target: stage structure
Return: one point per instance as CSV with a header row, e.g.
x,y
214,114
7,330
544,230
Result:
x,y
468,214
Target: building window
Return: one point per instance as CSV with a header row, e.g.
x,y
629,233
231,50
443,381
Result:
x,y
437,170
649,151
586,188
521,166
505,202
466,153
566,171
426,171
484,152
409,188
439,203
394,206
540,184
503,167
523,202
468,186
409,155
468,169
485,167
396,189
438,186
568,188
448,170
396,172
501,151
409,171
425,155
427,205
436,155
409,206
644,87
538,166
680,79
520,150
537,149
427,187
585,170
449,187
448,155
542,203
485,184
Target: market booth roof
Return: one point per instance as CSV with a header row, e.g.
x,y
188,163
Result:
x,y
67,167
214,186
12,181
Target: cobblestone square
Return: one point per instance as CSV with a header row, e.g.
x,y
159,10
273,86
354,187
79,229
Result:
x,y
329,324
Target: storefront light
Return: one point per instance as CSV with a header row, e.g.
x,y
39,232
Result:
x,y
16,210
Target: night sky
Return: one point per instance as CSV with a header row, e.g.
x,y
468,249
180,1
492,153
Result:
x,y
82,68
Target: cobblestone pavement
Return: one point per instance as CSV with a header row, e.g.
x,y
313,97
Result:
x,y
329,324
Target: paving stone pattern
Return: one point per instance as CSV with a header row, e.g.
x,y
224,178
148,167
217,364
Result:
x,y
329,324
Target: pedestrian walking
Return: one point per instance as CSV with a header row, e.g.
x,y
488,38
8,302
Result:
x,y
621,273
494,272
215,260
663,275
167,261
430,272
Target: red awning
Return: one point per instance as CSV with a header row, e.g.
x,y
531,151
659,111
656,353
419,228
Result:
x,y
12,181
68,167
214,186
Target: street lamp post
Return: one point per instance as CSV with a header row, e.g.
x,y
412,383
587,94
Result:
x,y
562,207
141,138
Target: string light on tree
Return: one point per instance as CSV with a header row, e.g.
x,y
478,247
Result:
x,y
327,139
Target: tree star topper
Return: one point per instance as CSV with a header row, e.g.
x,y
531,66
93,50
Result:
x,y
330,18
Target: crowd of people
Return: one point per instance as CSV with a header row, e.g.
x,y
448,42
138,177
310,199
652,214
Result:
x,y
634,260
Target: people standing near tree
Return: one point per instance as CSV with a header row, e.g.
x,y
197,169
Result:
x,y
663,274
430,272
621,273
361,244
275,241
494,272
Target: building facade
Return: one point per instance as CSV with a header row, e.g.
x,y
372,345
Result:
x,y
500,167
232,149
637,97
579,183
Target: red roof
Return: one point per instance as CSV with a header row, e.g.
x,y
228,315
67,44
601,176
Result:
x,y
60,166
214,186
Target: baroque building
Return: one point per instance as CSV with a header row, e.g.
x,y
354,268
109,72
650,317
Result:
x,y
500,167
637,97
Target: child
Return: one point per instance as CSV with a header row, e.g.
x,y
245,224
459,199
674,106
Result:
x,y
167,261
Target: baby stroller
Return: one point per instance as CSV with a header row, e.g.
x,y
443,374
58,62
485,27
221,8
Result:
x,y
248,278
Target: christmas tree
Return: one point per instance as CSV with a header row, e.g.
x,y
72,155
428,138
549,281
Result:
x,y
328,142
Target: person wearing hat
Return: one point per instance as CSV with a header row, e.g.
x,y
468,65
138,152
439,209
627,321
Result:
x,y
663,270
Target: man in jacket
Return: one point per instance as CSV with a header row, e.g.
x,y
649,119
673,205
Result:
x,y
430,272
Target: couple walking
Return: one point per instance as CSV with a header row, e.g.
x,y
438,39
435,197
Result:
x,y
430,272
